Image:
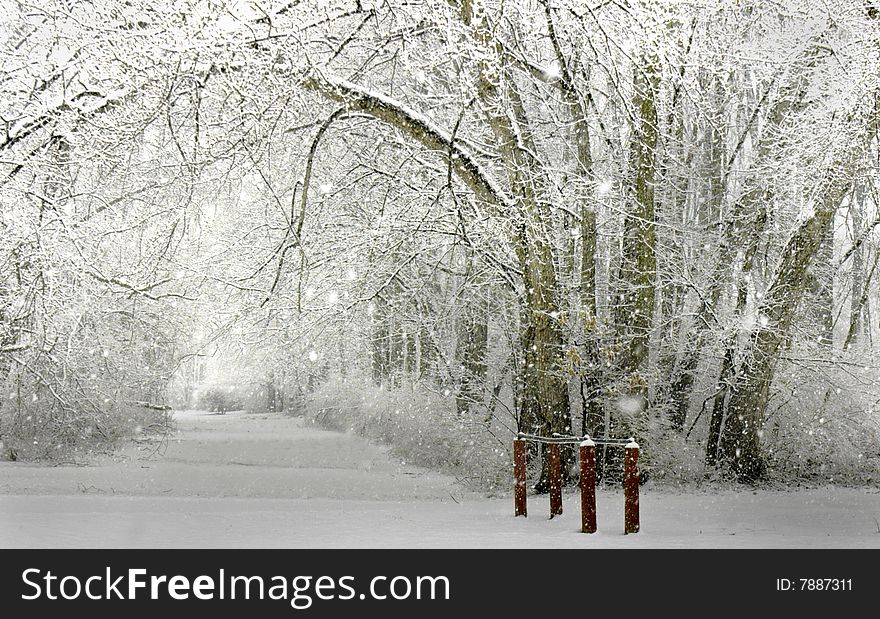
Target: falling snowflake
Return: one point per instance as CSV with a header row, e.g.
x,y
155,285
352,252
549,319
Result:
x,y
553,72
631,405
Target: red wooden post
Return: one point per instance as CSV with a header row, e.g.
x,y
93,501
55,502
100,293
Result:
x,y
631,488
554,462
519,476
588,486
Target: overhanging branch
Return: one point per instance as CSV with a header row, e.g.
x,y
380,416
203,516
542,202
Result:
x,y
416,126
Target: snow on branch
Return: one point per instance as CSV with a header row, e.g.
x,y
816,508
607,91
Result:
x,y
27,126
416,125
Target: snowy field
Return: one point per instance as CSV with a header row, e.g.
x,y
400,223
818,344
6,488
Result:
x,y
265,481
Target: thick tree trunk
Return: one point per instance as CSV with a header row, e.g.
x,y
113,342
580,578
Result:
x,y
592,374
634,307
633,310
740,442
592,370
822,287
740,428
544,386
719,405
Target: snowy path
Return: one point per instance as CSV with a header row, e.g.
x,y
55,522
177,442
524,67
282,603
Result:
x,y
244,480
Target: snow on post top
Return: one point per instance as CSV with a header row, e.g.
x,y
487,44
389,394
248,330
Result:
x,y
632,444
588,443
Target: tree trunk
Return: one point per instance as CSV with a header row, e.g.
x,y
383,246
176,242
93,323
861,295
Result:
x,y
380,365
634,306
471,355
709,212
822,287
740,442
860,282
719,405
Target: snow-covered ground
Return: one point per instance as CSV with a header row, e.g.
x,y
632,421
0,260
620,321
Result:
x,y
257,480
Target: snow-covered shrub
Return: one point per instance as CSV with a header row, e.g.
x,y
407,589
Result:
x,y
421,427
666,455
107,384
219,400
823,424
68,427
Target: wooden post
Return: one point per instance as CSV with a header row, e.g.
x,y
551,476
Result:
x,y
554,462
588,486
631,488
519,476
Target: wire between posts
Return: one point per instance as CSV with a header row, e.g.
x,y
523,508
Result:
x,y
576,440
